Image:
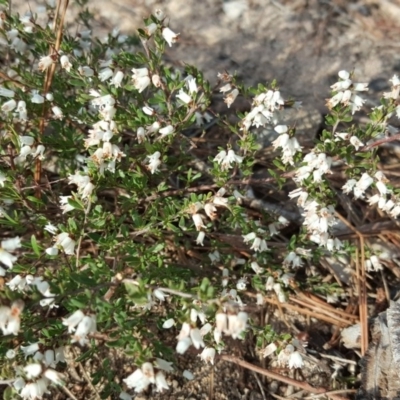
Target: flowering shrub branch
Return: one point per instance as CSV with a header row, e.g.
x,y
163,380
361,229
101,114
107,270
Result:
x,y
122,216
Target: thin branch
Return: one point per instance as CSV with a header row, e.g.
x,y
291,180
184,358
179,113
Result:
x,y
281,378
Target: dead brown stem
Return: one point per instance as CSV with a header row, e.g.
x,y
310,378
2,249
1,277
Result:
x,y
281,378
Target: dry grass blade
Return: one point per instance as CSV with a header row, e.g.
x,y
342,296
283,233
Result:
x,y
361,286
312,311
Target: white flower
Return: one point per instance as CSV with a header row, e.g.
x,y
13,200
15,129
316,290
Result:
x,y
52,251
250,236
40,149
66,242
231,158
348,186
191,84
227,158
196,338
256,268
156,80
161,382
6,246
221,322
148,110
64,61
208,355
21,109
53,376
183,96
220,156
159,294
362,185
169,323
11,244
117,79
211,211
381,187
150,29
283,357
73,320
64,205
37,98
294,259
356,142
18,282
86,325
137,381
140,78
11,354
269,349
259,245
241,284
183,345
231,97
200,238
169,36
166,130
154,162
237,324
164,365
9,105
141,135
394,94
58,114
45,62
295,360
6,92
198,221
373,264
32,370
86,71
105,74
301,194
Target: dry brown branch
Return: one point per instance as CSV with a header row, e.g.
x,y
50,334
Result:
x,y
281,378
58,28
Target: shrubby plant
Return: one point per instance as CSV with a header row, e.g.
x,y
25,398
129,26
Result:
x,y
121,218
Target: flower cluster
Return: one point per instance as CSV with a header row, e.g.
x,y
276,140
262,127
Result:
x,y
81,326
393,95
63,241
259,244
346,93
106,156
225,159
289,145
230,92
264,106
36,377
21,284
358,187
230,324
146,375
316,165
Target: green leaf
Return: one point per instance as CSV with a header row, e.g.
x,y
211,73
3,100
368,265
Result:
x,y
35,246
